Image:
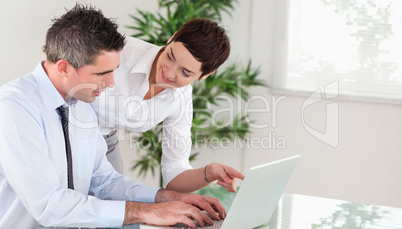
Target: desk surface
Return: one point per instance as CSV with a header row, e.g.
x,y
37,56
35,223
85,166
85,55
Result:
x,y
300,211
308,212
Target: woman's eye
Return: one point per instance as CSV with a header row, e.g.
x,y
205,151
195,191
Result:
x,y
168,55
185,74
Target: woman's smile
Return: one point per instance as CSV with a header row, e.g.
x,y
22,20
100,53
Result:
x,y
165,78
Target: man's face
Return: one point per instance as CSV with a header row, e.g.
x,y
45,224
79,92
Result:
x,y
90,81
176,67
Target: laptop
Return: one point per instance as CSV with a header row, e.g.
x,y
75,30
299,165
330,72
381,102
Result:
x,y
256,198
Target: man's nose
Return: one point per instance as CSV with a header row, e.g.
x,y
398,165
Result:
x,y
109,80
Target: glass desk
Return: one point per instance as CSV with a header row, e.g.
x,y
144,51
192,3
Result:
x,y
308,212
302,212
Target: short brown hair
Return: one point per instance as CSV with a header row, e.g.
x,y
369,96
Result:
x,y
206,41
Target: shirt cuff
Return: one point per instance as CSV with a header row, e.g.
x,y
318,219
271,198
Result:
x,y
112,213
146,194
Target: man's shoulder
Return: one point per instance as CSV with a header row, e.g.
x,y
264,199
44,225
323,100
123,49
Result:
x,y
21,95
20,90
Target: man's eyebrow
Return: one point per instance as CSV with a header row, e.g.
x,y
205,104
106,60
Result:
x,y
171,52
106,72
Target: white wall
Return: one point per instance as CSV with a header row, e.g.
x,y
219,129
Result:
x,y
24,24
364,167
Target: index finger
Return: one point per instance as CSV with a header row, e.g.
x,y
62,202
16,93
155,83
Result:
x,y
235,174
229,187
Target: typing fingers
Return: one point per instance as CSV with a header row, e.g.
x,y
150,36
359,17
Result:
x,y
198,216
213,206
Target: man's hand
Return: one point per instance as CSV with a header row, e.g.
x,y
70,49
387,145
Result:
x,y
173,207
168,213
224,174
211,205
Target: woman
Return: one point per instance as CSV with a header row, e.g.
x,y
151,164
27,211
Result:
x,y
152,84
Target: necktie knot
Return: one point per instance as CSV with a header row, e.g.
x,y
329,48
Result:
x,y
63,112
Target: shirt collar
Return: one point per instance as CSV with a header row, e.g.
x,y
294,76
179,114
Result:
x,y
144,64
51,97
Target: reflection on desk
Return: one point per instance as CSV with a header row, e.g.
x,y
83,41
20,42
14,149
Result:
x,y
308,212
299,211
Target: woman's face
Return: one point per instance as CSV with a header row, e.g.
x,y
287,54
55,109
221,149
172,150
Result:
x,y
176,67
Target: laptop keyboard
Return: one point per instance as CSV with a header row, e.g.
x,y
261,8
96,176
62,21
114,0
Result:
x,y
217,225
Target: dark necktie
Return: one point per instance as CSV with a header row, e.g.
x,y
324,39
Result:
x,y
64,122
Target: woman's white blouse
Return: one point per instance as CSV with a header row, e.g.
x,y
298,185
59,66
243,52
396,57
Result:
x,y
123,107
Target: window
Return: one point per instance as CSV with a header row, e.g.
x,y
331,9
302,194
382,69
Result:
x,y
357,43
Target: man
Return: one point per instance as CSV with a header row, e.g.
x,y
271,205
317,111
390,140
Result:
x,y
54,172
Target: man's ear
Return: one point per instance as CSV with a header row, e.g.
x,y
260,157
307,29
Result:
x,y
206,75
62,67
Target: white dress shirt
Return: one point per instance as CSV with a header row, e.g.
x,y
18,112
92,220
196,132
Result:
x,y
123,107
33,167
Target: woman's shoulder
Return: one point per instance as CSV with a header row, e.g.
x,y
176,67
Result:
x,y
187,90
137,50
138,44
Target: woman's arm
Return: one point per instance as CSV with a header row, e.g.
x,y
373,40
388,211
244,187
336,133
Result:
x,y
176,146
194,179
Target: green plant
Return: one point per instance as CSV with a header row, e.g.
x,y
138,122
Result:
x,y
157,29
233,82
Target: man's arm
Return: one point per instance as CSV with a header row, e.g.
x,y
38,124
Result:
x,y
34,176
173,208
107,184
